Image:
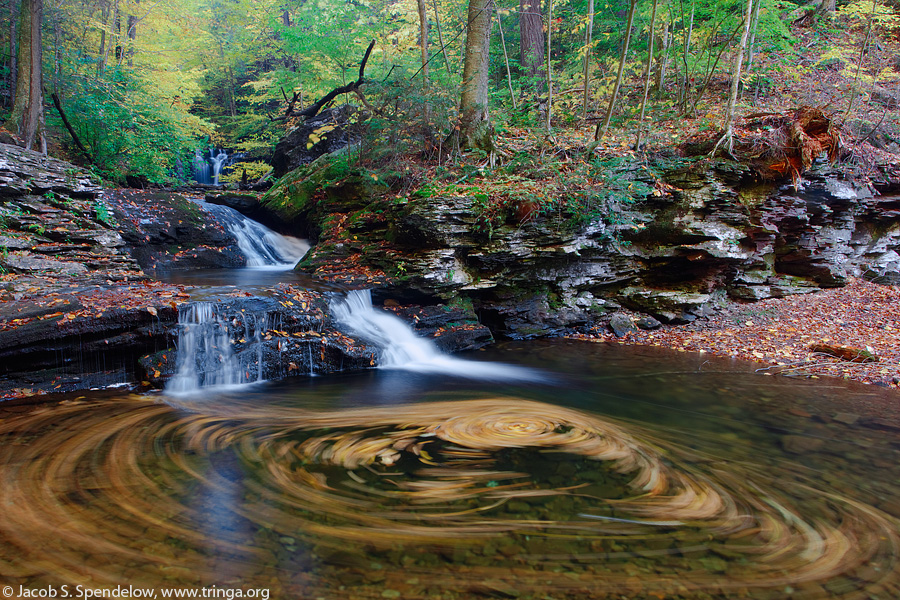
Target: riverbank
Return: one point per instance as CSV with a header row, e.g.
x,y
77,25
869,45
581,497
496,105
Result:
x,y
779,333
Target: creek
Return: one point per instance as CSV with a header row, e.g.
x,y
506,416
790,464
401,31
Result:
x,y
542,469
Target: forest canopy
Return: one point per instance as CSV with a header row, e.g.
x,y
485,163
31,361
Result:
x,y
145,85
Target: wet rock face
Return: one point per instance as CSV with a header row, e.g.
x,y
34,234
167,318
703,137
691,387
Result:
x,y
286,332
713,233
166,231
55,222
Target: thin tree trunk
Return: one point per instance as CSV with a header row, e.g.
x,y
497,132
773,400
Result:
x,y
232,104
57,51
727,138
101,53
549,70
587,59
662,62
862,52
475,127
423,40
117,32
685,82
753,26
13,20
512,94
22,93
131,32
531,35
602,128
640,133
437,24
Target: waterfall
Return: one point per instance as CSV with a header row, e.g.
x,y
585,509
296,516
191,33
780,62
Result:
x,y
262,247
218,161
208,168
400,348
206,356
201,169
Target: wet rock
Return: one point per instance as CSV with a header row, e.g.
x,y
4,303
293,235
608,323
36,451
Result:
x,y
648,323
621,324
801,444
880,423
244,203
26,262
668,305
495,588
845,418
167,231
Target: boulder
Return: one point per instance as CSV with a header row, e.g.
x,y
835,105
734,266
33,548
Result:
x,y
325,133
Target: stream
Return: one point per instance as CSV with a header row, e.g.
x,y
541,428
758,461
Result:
x,y
550,469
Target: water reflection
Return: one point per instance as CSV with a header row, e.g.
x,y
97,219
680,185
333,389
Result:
x,y
643,475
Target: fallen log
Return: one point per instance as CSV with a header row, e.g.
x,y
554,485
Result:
x,y
848,353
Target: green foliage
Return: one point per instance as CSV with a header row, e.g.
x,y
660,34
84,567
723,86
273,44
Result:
x,y
254,170
857,14
101,213
128,129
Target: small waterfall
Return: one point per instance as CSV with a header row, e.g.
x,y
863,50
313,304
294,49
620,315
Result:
x,y
262,247
201,169
400,348
218,161
208,168
206,356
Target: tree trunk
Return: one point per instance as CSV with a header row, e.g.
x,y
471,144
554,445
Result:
x,y
549,68
474,124
512,95
101,53
727,138
662,63
587,59
437,23
13,20
640,133
28,110
423,40
603,127
753,26
531,35
131,32
27,114
685,81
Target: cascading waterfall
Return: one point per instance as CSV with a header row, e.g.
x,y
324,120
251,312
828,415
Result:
x,y
201,169
218,161
400,348
206,356
208,168
262,247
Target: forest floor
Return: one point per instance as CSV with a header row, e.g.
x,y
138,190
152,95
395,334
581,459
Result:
x,y
780,333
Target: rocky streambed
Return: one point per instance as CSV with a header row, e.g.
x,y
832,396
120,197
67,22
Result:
x,y
78,308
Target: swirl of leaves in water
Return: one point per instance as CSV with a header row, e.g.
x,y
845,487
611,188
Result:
x,y
503,489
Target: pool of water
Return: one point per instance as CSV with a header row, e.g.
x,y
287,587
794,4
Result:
x,y
624,473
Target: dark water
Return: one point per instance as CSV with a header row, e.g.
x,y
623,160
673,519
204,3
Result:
x,y
633,473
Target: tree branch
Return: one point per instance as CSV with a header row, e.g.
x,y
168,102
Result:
x,y
65,121
314,109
